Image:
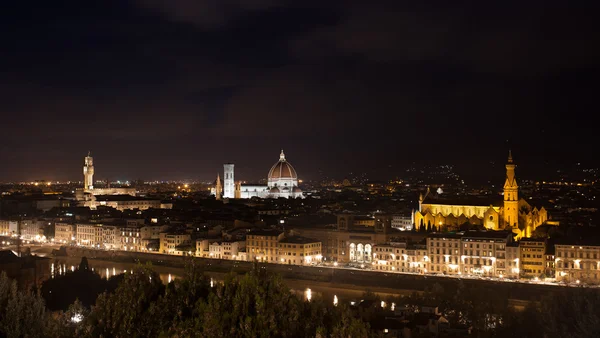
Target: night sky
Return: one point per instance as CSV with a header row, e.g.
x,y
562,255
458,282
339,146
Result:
x,y
171,89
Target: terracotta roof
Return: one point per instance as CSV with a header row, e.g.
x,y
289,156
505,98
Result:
x,y
282,169
484,201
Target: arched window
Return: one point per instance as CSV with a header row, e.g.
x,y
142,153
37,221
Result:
x,y
352,252
368,255
360,253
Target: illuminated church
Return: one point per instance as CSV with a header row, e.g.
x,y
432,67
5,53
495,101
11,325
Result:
x,y
282,181
511,212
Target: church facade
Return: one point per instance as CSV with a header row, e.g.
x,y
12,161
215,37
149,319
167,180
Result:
x,y
511,212
282,181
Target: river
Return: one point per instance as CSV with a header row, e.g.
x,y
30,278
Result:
x,y
303,288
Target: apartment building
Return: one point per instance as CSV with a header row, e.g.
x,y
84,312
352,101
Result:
x,y
444,251
577,263
298,250
532,260
484,253
262,245
64,233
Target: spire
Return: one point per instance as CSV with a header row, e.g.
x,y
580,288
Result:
x,y
282,156
510,159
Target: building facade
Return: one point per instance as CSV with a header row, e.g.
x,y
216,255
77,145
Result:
x,y
484,253
577,263
169,241
444,251
532,258
299,250
64,232
263,245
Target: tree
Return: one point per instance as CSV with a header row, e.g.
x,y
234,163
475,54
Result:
x,y
83,265
83,284
126,312
22,314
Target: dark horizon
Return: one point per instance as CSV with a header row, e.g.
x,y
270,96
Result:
x,y
174,89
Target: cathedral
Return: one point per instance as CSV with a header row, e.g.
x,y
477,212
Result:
x,y
510,212
282,181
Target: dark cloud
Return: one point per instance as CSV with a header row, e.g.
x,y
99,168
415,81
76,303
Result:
x,y
175,88
209,14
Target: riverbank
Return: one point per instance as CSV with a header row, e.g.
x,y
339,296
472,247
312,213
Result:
x,y
388,283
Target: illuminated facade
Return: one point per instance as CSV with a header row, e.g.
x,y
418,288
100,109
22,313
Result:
x,y
484,253
131,237
262,245
513,258
514,213
4,227
64,232
577,263
532,260
125,202
401,257
282,181
169,241
98,236
298,250
481,253
444,253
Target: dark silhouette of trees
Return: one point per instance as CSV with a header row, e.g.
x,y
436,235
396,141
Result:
x,y
22,314
82,284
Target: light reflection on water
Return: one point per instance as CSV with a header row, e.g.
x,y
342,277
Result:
x,y
304,289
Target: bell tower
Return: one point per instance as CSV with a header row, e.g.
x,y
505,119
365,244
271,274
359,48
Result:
x,y
88,172
218,188
228,181
511,195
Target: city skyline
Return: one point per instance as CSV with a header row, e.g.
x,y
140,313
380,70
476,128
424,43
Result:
x,y
405,172
174,89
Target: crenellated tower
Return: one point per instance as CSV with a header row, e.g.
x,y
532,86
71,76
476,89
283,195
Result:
x,y
511,195
88,173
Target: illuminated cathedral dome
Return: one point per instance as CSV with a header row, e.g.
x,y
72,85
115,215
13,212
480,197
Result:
x,y
283,179
282,169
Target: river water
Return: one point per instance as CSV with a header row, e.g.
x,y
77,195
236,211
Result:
x,y
305,289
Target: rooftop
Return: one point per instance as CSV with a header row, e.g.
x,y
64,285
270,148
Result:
x,y
484,201
109,198
500,234
446,235
265,232
299,240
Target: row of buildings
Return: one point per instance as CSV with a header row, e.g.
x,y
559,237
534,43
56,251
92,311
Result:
x,y
365,241
133,235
